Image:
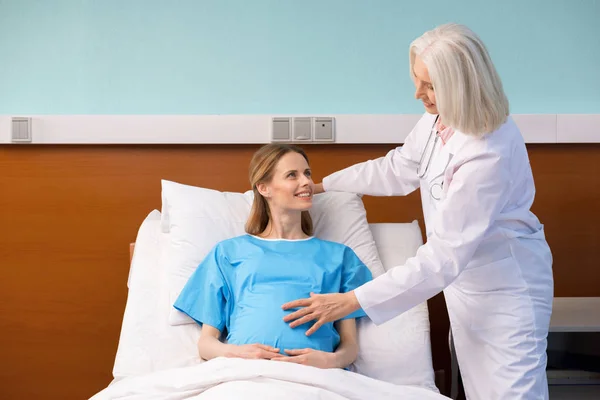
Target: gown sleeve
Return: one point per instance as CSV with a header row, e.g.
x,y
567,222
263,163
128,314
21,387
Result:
x,y
354,274
204,296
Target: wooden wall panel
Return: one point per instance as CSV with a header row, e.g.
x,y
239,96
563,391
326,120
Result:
x,y
68,213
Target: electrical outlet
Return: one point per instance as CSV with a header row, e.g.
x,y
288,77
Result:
x,y
324,129
21,130
302,129
281,129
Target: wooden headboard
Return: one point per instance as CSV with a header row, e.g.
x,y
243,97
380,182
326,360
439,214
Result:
x,y
68,212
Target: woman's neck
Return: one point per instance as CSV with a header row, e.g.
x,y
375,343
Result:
x,y
284,226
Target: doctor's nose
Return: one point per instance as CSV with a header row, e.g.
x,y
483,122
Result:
x,y
420,90
418,93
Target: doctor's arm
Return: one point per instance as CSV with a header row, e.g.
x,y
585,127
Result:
x,y
478,192
395,174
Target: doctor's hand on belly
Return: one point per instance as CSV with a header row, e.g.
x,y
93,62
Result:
x,y
321,308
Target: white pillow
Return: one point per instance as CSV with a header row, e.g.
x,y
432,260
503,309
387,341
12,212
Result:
x,y
341,217
199,218
147,342
398,351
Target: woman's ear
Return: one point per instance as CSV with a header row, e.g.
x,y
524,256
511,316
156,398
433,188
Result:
x,y
263,189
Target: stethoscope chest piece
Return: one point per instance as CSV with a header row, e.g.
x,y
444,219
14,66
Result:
x,y
436,190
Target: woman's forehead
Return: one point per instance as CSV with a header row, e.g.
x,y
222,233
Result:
x,y
292,161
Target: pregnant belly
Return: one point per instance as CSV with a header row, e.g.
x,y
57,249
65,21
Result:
x,y
257,317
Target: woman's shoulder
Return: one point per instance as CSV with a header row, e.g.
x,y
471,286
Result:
x,y
230,244
334,246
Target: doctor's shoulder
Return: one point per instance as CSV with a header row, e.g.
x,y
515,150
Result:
x,y
503,150
416,140
421,129
501,141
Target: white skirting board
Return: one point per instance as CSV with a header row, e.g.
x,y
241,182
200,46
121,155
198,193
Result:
x,y
256,129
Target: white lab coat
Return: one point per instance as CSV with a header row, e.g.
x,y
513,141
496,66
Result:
x,y
485,249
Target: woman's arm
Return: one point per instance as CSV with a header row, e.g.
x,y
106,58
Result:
x,y
209,347
343,356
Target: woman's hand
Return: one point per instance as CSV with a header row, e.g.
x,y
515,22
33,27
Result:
x,y
314,358
252,351
321,307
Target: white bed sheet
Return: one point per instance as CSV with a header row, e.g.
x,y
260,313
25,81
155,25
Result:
x,y
227,378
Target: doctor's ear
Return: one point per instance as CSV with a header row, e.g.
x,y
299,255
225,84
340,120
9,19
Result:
x,y
263,190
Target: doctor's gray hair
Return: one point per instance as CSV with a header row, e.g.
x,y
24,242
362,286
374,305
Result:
x,y
468,90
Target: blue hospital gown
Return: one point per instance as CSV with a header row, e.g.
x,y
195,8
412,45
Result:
x,y
242,283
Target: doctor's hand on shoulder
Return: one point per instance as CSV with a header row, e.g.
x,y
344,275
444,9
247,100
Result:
x,y
321,308
318,188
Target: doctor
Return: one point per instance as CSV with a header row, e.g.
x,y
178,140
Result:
x,y
485,249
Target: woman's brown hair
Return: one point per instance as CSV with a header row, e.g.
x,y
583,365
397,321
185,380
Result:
x,y
262,168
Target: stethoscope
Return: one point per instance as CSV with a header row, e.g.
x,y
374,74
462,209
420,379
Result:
x,y
436,190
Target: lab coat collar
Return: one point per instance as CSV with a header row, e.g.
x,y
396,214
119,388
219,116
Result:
x,y
446,153
456,142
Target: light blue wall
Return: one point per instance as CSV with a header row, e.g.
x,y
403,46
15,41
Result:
x,y
280,56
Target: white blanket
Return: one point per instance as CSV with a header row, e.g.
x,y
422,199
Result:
x,y
232,378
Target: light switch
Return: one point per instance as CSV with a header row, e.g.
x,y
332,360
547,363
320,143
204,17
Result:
x,y
324,131
281,129
21,130
302,130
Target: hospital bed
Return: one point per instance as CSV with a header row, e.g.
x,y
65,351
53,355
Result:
x,y
157,355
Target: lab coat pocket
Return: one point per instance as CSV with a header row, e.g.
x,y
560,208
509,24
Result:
x,y
497,295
